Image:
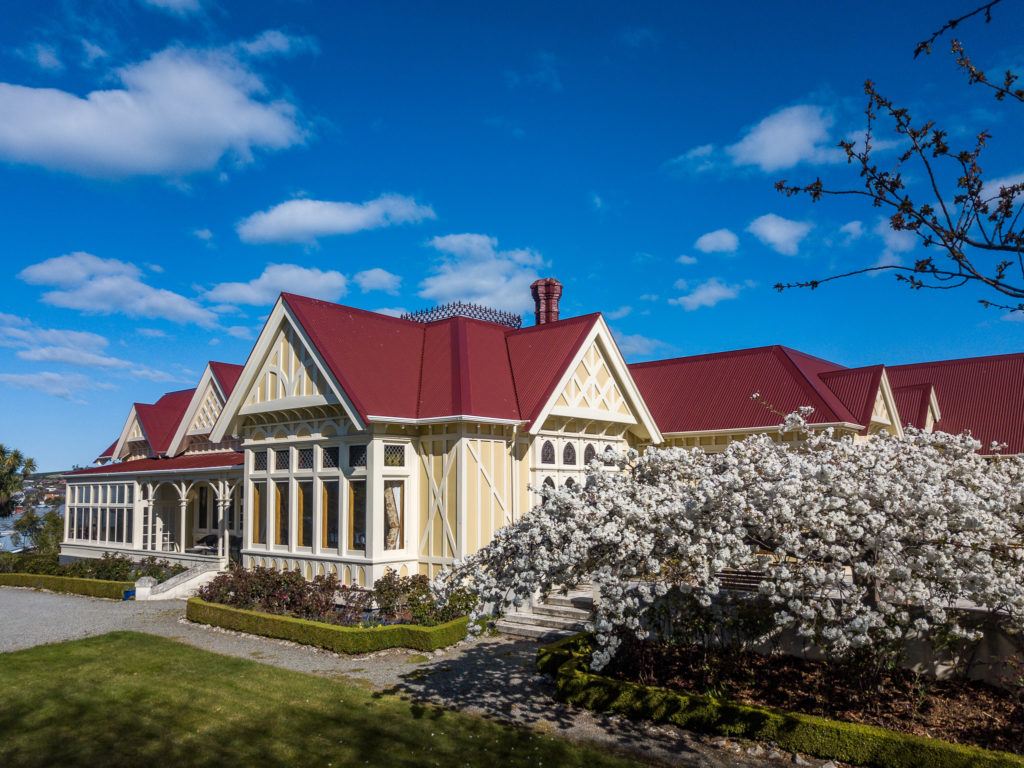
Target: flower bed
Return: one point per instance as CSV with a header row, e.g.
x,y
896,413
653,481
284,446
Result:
x,y
109,567
113,590
568,663
340,639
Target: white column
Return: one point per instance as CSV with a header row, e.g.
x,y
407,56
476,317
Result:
x,y
374,501
222,523
138,510
68,496
183,517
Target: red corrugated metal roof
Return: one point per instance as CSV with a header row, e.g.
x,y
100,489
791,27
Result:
x,y
912,404
227,375
160,420
456,366
194,461
982,394
109,452
857,389
714,391
539,355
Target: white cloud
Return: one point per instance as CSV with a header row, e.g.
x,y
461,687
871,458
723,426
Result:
x,y
649,297
781,235
992,186
852,230
303,221
377,279
68,386
291,278
391,311
695,160
203,234
92,52
636,345
177,7
152,333
473,269
275,42
896,242
798,134
719,241
686,260
178,112
596,202
707,294
108,286
239,331
54,345
618,314
681,284
43,56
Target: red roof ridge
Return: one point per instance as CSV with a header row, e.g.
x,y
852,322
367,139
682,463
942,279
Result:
x,y
956,360
309,299
817,387
590,316
705,355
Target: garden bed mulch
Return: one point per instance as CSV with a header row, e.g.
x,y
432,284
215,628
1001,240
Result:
x,y
965,712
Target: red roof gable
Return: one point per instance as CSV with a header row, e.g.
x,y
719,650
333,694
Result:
x,y
160,420
108,453
912,403
857,389
982,394
714,391
227,375
451,367
178,463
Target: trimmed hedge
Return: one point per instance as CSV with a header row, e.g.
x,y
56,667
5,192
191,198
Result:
x,y
567,662
113,590
330,636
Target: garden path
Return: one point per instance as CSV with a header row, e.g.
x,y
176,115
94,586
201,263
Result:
x,y
491,676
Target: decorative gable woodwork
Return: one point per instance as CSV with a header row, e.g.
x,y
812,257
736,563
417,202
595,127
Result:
x,y
593,390
288,372
207,413
135,429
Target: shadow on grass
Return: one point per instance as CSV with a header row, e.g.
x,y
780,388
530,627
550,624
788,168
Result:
x,y
127,699
498,679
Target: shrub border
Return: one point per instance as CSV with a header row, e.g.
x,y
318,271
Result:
x,y
112,590
567,662
322,635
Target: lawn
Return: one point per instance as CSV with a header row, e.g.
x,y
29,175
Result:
x,y
132,699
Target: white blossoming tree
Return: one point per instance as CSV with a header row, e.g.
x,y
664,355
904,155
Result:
x,y
858,547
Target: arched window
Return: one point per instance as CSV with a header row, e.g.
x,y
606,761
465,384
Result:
x,y
547,453
570,483
549,483
569,455
589,453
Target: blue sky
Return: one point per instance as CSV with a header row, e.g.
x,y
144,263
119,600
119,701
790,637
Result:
x,y
168,166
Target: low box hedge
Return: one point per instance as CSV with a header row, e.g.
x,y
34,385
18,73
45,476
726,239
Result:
x,y
330,636
567,661
114,590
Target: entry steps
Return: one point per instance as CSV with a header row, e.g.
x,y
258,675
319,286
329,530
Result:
x,y
556,616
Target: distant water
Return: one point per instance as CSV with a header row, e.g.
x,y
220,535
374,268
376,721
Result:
x,y
7,542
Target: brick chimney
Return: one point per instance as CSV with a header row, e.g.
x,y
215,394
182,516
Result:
x,y
546,293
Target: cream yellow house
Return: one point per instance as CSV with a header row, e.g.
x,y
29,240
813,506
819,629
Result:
x,y
351,442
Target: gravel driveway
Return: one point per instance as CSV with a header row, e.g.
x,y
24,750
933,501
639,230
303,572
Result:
x,y
492,676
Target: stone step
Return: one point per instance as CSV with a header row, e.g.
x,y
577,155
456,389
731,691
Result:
x,y
583,600
565,612
539,620
530,631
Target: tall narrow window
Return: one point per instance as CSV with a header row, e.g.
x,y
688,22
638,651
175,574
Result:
x,y
569,455
259,517
547,453
549,483
357,514
129,521
281,513
589,453
394,514
329,515
204,511
304,503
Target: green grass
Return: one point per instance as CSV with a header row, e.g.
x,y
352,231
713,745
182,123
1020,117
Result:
x,y
128,699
